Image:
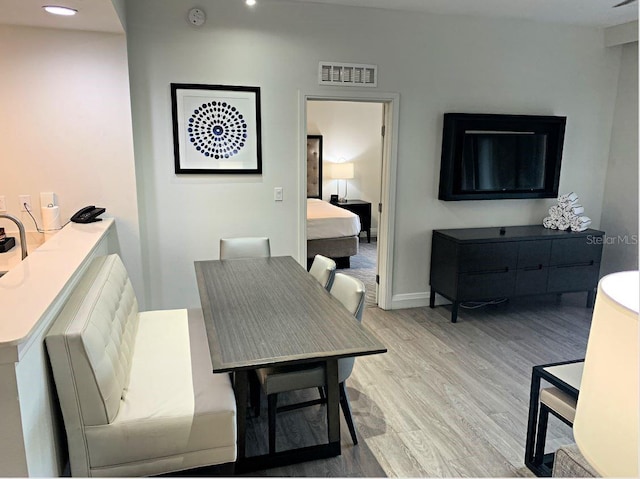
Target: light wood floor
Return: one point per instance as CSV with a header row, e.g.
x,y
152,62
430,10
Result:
x,y
447,400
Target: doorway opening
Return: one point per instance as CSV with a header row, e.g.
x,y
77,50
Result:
x,y
356,173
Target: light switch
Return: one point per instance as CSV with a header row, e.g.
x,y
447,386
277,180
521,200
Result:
x,y
278,193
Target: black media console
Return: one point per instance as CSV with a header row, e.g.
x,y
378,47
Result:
x,y
481,264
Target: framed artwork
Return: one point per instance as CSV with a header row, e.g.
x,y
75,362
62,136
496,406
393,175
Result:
x,y
216,129
314,166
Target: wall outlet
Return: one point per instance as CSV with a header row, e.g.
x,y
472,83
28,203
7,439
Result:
x,y
25,199
278,193
3,204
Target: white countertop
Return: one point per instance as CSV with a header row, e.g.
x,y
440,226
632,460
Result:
x,y
11,258
31,286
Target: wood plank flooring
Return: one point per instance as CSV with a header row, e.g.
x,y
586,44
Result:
x,y
447,400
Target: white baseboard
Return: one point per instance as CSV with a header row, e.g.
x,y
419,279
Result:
x,y
415,300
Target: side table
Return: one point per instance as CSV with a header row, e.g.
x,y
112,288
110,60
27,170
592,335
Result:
x,y
363,210
559,400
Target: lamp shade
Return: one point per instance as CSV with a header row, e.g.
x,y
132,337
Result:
x,y
342,171
606,423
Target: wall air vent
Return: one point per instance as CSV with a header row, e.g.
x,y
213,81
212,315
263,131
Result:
x,y
347,74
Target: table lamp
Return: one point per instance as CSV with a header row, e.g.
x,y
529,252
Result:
x,y
342,171
606,422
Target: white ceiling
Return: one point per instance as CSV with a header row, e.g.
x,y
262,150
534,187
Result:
x,y
578,12
93,15
99,15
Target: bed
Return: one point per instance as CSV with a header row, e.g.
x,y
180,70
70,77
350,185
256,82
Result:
x,y
331,231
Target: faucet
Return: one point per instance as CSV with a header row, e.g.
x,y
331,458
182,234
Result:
x,y
23,236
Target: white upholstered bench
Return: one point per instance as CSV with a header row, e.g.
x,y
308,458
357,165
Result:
x,y
137,392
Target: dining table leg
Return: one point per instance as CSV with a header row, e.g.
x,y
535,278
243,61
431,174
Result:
x,y
241,386
333,402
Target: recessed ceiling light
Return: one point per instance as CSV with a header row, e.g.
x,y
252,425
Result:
x,y
58,10
251,3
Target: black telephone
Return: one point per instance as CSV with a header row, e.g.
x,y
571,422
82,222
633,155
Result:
x,y
88,214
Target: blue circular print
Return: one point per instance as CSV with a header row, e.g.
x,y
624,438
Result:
x,y
217,130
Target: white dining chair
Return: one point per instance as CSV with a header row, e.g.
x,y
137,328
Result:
x,y
323,269
250,247
350,292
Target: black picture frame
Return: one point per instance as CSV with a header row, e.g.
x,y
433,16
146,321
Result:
x,y
314,166
216,129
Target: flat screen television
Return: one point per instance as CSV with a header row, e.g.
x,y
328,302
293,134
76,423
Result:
x,y
490,157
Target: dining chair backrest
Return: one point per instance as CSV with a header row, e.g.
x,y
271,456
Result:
x,y
236,248
324,270
350,292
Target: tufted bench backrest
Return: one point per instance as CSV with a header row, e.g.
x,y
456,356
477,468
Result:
x,y
92,342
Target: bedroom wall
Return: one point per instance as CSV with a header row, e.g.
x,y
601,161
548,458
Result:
x,y
65,126
350,130
436,64
620,206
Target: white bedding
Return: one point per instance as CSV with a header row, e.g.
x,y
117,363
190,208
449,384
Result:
x,y
325,220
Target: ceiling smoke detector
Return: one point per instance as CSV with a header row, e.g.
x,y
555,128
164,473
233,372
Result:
x,y
197,17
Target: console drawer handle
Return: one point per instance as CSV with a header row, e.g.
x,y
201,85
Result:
x,y
490,271
533,268
586,263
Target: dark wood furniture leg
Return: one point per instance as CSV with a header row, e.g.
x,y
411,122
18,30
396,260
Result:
x,y
333,402
454,311
273,409
346,410
534,397
432,299
241,386
344,262
541,435
254,393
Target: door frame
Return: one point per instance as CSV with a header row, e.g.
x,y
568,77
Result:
x,y
386,229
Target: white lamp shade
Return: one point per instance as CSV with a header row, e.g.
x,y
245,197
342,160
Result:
x,y
342,171
606,423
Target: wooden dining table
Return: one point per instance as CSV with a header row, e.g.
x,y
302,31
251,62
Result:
x,y
272,312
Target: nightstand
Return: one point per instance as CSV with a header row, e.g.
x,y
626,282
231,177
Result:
x,y
363,210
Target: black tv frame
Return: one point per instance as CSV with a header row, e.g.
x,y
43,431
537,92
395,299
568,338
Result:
x,y
454,126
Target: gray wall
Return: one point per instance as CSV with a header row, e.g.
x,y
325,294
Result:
x,y
437,64
620,206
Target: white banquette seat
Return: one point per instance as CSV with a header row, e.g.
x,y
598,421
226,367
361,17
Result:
x,y
137,392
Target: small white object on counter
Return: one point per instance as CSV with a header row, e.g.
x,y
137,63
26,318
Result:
x,y
51,223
